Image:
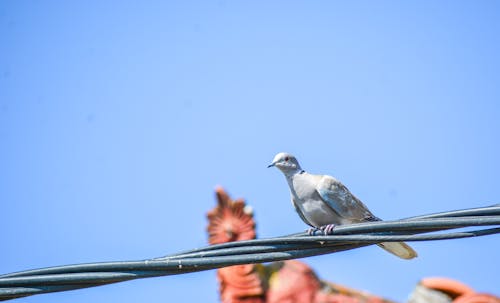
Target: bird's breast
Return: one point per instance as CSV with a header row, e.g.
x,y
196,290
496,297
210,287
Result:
x,y
303,187
310,204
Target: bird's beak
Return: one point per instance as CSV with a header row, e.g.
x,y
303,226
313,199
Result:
x,y
271,165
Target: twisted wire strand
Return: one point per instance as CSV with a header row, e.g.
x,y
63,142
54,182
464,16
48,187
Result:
x,y
419,228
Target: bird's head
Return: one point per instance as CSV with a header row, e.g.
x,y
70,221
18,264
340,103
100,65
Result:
x,y
285,162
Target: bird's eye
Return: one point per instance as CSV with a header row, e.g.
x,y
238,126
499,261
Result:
x,y
286,159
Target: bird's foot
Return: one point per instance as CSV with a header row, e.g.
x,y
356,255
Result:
x,y
327,229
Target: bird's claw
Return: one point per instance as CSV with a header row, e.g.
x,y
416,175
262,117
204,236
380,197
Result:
x,y
311,231
325,229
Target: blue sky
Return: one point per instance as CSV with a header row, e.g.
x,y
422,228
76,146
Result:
x,y
118,119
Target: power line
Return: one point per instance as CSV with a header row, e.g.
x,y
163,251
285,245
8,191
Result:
x,y
422,228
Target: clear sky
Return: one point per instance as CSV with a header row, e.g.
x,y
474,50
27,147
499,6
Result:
x,y
118,119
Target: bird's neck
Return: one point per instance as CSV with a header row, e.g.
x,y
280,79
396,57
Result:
x,y
289,174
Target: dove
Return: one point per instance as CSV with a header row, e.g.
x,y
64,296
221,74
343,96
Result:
x,y
323,202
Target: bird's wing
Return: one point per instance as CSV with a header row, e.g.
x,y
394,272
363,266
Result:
x,y
340,199
301,215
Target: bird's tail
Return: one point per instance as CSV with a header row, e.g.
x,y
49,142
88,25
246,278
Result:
x,y
400,249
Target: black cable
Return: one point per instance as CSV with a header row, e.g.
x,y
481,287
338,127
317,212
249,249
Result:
x,y
421,228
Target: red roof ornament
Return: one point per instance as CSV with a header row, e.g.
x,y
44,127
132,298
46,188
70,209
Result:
x,y
230,220
233,221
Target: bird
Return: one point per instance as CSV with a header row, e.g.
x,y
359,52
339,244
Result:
x,y
323,202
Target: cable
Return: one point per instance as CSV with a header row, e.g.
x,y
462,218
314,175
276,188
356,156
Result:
x,y
346,237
